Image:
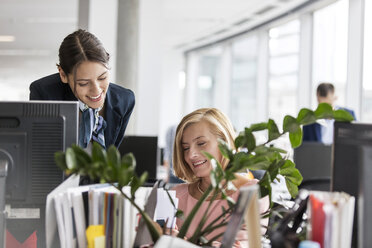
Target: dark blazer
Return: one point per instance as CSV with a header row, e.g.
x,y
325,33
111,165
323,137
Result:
x,y
312,132
119,104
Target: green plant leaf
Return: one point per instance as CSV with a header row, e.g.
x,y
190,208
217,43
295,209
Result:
x,y
262,149
265,185
114,163
250,140
290,124
128,160
134,186
71,158
224,149
296,138
290,172
258,126
288,164
306,116
208,155
98,153
60,159
239,141
342,115
229,175
276,149
261,165
125,176
143,178
217,169
324,111
274,168
81,154
295,177
273,130
113,157
243,161
292,188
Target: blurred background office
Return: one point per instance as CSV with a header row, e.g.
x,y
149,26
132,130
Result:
x,y
252,59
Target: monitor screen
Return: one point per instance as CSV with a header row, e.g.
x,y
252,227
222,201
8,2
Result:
x,y
352,173
30,133
145,150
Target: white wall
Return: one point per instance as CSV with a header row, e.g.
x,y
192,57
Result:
x,y
103,24
150,54
171,95
158,97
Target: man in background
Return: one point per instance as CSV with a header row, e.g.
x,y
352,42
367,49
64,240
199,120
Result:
x,y
323,131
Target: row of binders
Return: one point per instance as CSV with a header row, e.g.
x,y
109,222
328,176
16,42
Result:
x,y
331,216
98,215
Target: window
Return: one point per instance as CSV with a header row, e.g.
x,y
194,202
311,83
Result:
x,y
330,49
209,65
284,43
243,82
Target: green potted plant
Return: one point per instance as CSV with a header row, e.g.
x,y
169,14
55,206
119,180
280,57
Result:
x,y
110,167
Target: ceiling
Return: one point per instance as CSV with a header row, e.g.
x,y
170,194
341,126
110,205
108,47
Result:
x,y
191,23
39,26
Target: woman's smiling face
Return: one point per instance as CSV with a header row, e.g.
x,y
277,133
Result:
x,y
92,81
195,139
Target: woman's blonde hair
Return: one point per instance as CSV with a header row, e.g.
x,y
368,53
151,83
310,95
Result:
x,y
219,125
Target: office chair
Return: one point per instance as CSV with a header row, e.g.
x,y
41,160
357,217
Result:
x,y
320,184
313,160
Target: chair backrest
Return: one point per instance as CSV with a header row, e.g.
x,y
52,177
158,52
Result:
x,y
320,184
313,160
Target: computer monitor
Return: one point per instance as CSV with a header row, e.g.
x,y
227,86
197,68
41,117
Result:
x,y
146,152
352,173
30,133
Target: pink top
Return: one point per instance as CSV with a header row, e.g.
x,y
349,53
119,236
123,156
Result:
x,y
186,202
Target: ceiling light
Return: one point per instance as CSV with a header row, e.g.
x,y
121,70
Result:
x,y
181,80
24,52
7,38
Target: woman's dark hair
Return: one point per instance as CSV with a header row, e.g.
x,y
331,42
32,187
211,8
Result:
x,y
78,47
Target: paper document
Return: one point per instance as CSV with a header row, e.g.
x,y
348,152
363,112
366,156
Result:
x,y
165,211
50,211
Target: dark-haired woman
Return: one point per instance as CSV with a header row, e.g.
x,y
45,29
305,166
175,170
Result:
x,y
84,76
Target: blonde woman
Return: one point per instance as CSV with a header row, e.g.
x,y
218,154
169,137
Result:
x,y
199,131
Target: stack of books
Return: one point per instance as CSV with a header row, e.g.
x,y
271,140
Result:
x,y
331,216
95,215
